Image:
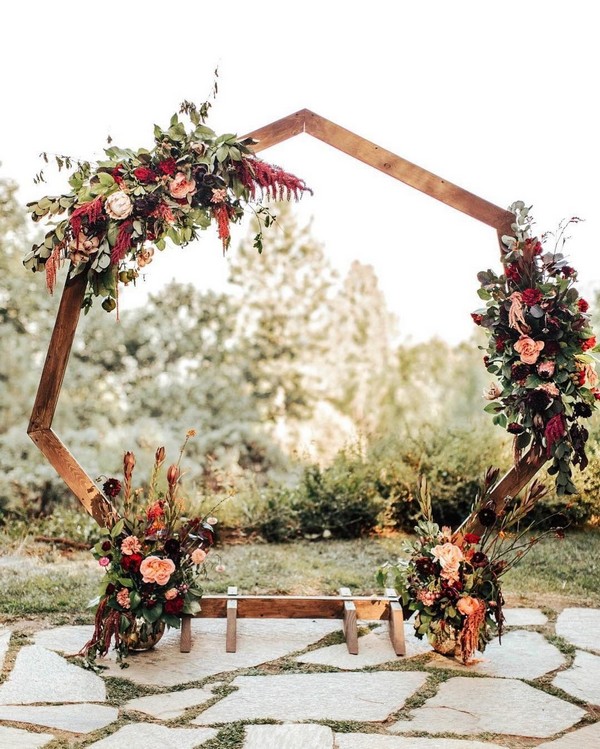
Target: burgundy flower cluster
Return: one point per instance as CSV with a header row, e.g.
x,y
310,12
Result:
x,y
540,349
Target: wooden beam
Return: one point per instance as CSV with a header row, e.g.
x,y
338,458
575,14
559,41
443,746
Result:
x,y
185,642
350,622
294,607
82,486
396,622
231,635
278,131
57,358
511,484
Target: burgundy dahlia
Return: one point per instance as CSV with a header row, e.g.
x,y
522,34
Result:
x,y
111,488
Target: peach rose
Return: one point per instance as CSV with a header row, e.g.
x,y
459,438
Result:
x,y
130,545
118,205
157,570
198,556
449,556
180,186
171,594
123,598
528,349
468,605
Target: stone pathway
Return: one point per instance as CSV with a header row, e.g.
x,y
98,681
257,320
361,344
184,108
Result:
x,y
288,687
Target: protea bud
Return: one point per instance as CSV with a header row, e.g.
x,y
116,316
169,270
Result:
x,y
172,475
128,464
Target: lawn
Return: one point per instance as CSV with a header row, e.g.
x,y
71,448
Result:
x,y
38,580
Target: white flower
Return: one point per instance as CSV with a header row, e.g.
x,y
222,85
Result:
x,y
492,392
118,205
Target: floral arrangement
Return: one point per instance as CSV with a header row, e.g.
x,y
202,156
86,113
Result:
x,y
451,580
153,555
540,349
123,209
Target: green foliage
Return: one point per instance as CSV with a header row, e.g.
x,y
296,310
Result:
x,y
341,500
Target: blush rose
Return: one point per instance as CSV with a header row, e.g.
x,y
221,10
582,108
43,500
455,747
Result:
x,y
180,186
528,349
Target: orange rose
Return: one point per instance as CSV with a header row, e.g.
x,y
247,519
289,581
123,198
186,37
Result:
x,y
467,605
157,570
198,556
528,349
180,186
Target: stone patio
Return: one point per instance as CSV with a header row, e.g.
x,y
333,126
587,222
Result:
x,y
284,688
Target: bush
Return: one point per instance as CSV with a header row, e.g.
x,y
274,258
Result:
x,y
341,500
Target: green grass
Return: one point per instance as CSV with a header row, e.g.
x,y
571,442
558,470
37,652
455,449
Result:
x,y
41,581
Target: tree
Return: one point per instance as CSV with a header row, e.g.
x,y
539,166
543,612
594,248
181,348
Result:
x,y
284,315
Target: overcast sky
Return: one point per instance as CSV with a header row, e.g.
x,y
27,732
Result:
x,y
497,97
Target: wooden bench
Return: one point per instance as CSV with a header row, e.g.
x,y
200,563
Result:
x,y
347,607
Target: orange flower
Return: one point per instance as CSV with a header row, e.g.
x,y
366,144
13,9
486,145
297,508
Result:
x,y
157,570
528,349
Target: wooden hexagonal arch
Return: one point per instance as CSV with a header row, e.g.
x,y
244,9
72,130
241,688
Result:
x,y
304,121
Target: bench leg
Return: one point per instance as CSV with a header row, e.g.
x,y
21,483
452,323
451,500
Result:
x,y
185,643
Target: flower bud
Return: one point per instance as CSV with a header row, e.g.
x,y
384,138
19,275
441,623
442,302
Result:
x,y
159,455
128,464
172,475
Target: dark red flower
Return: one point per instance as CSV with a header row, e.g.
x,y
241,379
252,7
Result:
x,y
584,410
487,517
144,174
519,372
555,430
116,174
513,273
551,348
110,589
582,305
477,318
501,343
131,562
588,343
111,487
167,166
567,271
106,546
535,242
531,297
479,559
174,606
472,538
514,428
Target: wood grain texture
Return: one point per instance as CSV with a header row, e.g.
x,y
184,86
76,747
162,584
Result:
x,y
294,607
511,484
185,642
57,358
93,501
278,131
397,628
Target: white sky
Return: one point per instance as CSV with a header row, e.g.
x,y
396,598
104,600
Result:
x,y
497,97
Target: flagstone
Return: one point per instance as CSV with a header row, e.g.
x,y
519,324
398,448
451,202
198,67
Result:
x,y
524,617
39,675
522,655
258,641
582,680
373,649
465,706
16,738
152,736
379,741
324,696
580,627
582,738
4,642
75,718
289,736
170,705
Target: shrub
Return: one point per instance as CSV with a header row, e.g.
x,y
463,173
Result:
x,y
341,500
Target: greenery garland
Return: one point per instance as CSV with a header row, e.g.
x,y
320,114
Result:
x,y
129,205
540,346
